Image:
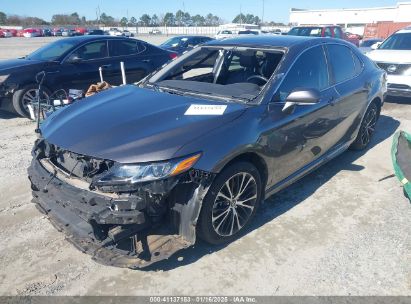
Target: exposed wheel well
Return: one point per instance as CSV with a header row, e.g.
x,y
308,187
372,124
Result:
x,y
258,162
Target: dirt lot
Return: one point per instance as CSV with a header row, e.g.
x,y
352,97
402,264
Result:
x,y
343,230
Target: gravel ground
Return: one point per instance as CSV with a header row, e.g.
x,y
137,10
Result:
x,y
342,230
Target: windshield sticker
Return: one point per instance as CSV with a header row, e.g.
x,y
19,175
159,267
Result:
x,y
206,110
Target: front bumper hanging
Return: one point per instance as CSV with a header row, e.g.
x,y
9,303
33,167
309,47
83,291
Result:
x,y
118,230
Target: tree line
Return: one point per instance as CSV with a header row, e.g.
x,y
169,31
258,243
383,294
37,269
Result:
x,y
180,18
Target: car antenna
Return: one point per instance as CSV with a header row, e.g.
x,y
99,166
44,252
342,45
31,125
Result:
x,y
39,79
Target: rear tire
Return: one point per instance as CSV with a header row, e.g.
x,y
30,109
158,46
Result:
x,y
230,204
367,128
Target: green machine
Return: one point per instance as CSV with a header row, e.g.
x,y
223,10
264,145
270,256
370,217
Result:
x,y
401,159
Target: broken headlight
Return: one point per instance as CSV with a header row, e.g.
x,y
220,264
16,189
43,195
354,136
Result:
x,y
137,173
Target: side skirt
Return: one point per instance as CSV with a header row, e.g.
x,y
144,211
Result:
x,y
307,169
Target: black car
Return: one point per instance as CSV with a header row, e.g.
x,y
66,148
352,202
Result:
x,y
47,32
96,32
180,44
73,63
136,173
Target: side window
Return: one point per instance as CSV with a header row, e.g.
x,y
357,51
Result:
x,y
338,32
122,47
308,72
93,50
327,32
341,61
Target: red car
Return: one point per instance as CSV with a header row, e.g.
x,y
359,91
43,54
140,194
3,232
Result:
x,y
31,32
81,30
333,31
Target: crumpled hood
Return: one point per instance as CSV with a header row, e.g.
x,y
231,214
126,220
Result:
x,y
7,66
129,124
390,56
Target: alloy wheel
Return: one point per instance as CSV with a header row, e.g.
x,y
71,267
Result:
x,y
368,129
234,204
30,96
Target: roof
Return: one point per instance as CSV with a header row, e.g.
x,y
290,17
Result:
x,y
92,37
283,41
191,36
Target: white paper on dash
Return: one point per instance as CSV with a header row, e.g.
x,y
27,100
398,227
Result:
x,y
197,109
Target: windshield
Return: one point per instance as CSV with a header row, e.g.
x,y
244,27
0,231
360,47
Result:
x,y
225,73
305,31
401,41
174,42
52,51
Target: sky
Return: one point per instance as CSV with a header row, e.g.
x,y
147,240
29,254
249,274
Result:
x,y
275,10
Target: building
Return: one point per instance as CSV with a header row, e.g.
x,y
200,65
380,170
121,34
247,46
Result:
x,y
351,18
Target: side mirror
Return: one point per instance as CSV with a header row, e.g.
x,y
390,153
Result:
x,y
74,59
300,97
376,45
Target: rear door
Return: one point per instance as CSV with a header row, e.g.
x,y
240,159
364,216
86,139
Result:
x,y
139,59
346,68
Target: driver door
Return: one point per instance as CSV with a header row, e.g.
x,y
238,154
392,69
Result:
x,y
81,68
299,138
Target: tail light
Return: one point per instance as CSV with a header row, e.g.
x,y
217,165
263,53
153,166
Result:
x,y
173,55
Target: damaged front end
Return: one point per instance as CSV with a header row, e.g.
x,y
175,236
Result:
x,y
124,224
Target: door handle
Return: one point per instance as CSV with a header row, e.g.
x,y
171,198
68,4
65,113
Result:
x,y
147,60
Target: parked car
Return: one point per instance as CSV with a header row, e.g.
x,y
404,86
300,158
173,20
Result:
x,y
13,32
81,31
127,33
46,32
5,33
332,31
56,32
115,32
223,34
31,32
394,56
366,45
136,173
248,32
180,44
155,32
96,32
69,33
75,63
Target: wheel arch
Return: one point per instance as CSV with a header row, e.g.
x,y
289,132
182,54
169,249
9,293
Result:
x,y
256,160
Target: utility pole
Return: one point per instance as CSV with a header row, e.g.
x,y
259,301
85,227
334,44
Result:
x,y
262,16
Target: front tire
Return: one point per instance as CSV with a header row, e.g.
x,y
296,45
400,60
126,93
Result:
x,y
367,128
23,97
230,204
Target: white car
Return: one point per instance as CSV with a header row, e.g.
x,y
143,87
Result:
x,y
6,33
394,56
115,32
127,33
224,34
